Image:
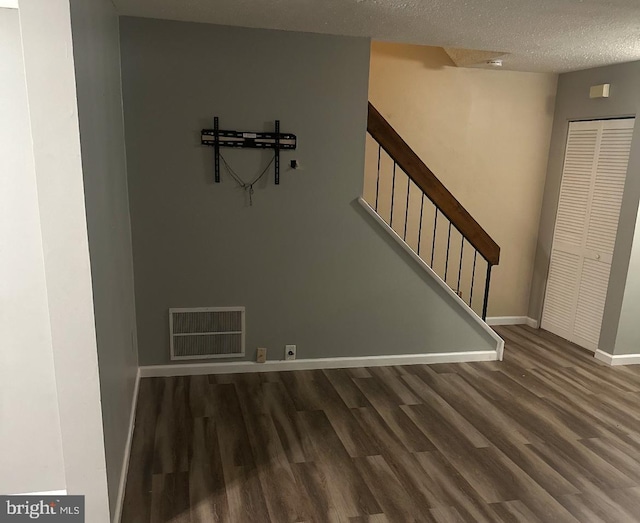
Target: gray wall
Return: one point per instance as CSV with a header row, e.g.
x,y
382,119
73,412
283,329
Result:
x,y
628,338
97,64
30,439
573,103
309,264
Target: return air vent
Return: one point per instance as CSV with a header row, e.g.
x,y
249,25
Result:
x,y
206,332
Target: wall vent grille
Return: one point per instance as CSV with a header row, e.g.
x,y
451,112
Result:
x,y
206,332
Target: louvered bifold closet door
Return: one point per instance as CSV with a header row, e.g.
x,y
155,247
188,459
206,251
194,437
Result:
x,y
566,254
610,176
593,181
604,214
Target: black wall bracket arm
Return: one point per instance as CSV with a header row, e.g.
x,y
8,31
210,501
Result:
x,y
217,138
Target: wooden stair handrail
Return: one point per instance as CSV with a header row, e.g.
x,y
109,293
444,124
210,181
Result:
x,y
424,178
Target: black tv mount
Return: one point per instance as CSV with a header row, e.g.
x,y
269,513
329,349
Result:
x,y
217,138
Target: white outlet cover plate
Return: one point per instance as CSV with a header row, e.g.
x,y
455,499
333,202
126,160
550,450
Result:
x,y
287,349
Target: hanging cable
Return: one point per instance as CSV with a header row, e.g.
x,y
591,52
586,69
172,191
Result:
x,y
244,185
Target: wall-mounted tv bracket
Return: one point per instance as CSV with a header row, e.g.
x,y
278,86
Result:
x,y
217,138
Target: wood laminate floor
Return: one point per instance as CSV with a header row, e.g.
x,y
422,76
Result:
x,y
547,435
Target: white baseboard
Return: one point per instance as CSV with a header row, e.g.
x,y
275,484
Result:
x,y
617,359
532,323
192,369
512,320
127,451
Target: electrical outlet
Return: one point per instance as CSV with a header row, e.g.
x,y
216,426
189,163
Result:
x,y
261,355
289,352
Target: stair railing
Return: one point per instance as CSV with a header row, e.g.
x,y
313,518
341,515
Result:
x,y
446,211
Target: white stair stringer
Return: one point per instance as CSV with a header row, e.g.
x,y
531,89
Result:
x,y
461,303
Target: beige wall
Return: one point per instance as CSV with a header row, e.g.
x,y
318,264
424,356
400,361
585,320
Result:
x,y
486,135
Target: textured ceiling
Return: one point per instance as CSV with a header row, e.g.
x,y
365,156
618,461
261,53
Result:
x,y
535,35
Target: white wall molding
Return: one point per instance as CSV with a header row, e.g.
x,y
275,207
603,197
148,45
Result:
x,y
499,341
512,320
617,359
127,452
194,369
532,323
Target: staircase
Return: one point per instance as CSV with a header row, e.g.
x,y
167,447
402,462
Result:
x,y
427,217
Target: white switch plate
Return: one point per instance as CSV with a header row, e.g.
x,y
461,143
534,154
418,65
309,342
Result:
x,y
289,352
